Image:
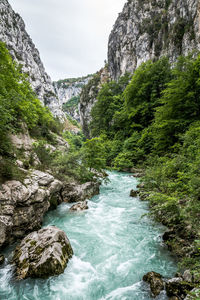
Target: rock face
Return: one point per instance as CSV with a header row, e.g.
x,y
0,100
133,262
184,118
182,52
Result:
x,y
68,91
42,254
22,206
155,281
178,287
79,206
75,193
23,50
151,29
89,97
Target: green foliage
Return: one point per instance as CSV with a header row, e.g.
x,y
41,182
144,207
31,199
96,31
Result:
x,y
109,102
153,122
94,155
44,153
75,140
69,166
180,103
9,170
72,121
92,84
73,102
19,105
72,81
144,91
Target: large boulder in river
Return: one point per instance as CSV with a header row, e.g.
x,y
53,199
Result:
x,y
79,206
74,192
42,254
155,281
23,204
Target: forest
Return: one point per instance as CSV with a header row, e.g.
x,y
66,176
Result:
x,y
151,120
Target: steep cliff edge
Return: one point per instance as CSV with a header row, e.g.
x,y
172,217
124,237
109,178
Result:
x,y
23,50
151,29
89,97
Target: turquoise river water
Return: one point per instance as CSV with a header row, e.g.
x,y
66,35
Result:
x,y
113,248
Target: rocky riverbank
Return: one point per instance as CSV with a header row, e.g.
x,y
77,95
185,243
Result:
x,y
180,240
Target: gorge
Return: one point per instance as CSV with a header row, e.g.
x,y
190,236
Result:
x,y
139,118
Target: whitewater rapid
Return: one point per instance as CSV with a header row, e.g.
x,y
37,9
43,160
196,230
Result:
x,y
114,245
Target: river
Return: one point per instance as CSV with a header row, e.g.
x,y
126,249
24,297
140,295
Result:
x,y
114,246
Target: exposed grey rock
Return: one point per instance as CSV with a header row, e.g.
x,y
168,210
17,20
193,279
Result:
x,y
74,192
89,97
42,254
140,185
79,206
137,175
155,281
69,88
135,170
151,29
22,141
23,205
23,50
187,276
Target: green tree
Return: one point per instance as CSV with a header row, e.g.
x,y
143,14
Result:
x,y
109,102
144,91
180,103
94,155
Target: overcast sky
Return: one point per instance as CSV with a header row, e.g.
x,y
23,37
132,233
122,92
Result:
x,y
71,35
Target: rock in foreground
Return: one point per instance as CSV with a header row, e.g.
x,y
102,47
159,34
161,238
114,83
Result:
x,y
42,254
23,205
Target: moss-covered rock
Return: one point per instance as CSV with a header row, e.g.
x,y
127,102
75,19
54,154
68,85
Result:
x,y
155,281
133,193
178,287
42,254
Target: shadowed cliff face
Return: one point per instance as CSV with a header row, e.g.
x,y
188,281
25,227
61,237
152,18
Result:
x,y
151,29
23,50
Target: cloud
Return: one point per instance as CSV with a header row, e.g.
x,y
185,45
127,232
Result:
x,y
71,36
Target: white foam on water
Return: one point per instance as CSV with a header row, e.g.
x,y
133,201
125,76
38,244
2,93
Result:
x,y
113,249
119,293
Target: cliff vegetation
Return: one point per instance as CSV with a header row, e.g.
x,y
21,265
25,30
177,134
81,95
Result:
x,y
152,121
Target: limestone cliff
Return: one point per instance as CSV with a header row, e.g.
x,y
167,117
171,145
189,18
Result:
x,y
23,50
89,97
68,91
151,29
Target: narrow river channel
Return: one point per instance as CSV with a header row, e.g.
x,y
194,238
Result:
x,y
114,246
